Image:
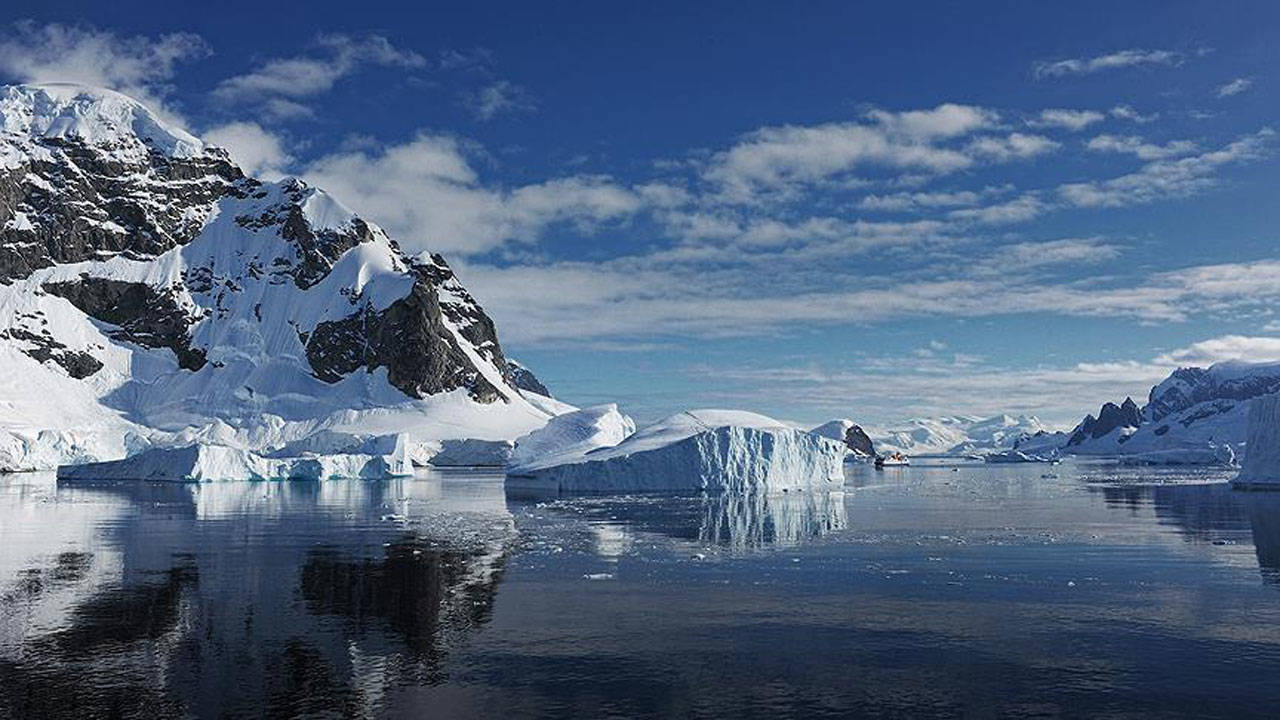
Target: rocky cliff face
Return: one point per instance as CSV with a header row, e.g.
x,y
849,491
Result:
x,y
143,273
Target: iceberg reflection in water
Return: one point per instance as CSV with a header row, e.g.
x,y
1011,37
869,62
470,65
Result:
x,y
731,520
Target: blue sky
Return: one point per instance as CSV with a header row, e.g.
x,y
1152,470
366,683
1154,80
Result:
x,y
810,210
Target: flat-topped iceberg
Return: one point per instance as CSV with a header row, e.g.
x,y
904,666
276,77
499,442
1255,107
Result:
x,y
726,450
1261,466
215,463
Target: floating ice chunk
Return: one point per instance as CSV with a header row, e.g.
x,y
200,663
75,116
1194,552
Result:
x,y
211,463
568,437
699,450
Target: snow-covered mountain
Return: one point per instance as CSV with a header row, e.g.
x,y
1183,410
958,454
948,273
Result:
x,y
1193,409
955,435
150,287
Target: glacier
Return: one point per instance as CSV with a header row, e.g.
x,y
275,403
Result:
x,y
696,450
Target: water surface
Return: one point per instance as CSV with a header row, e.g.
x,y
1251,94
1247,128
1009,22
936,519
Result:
x,y
936,591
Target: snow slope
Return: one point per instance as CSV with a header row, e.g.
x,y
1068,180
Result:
x,y
150,294
955,435
726,450
571,436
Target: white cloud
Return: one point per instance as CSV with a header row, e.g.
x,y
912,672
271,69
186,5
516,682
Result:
x,y
1139,148
1027,256
258,152
497,98
1227,347
1074,120
278,84
1125,112
903,201
1235,87
1109,61
772,158
1015,146
1025,207
138,66
429,197
1165,179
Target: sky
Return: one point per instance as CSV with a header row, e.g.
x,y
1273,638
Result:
x,y
810,210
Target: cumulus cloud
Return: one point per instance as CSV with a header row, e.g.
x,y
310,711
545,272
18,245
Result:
x,y
1109,61
429,196
498,98
1227,347
1074,120
257,151
1235,87
139,66
772,158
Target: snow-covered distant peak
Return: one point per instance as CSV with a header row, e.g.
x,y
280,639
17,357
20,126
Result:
x,y
97,117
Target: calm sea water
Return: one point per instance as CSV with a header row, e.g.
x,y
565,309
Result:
x,y
918,592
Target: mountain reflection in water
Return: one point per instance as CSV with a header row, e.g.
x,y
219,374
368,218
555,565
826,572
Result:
x,y
927,592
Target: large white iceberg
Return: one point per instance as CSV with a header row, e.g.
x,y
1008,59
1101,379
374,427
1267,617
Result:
x,y
213,463
569,437
1261,465
726,450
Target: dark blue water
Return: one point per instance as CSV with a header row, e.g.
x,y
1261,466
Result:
x,y
921,592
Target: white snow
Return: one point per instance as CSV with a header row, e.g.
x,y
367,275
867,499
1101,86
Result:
x,y
100,118
214,463
954,435
571,436
1262,448
700,450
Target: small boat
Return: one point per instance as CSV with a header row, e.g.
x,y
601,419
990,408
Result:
x,y
892,460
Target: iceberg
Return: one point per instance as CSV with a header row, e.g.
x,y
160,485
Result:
x,y
568,437
214,463
1261,467
697,450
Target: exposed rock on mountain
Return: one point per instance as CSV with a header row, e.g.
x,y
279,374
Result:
x,y
849,433
147,288
1194,409
524,379
1125,417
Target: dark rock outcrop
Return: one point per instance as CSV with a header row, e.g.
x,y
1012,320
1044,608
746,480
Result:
x,y
141,313
523,378
1110,417
858,441
408,338
78,204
